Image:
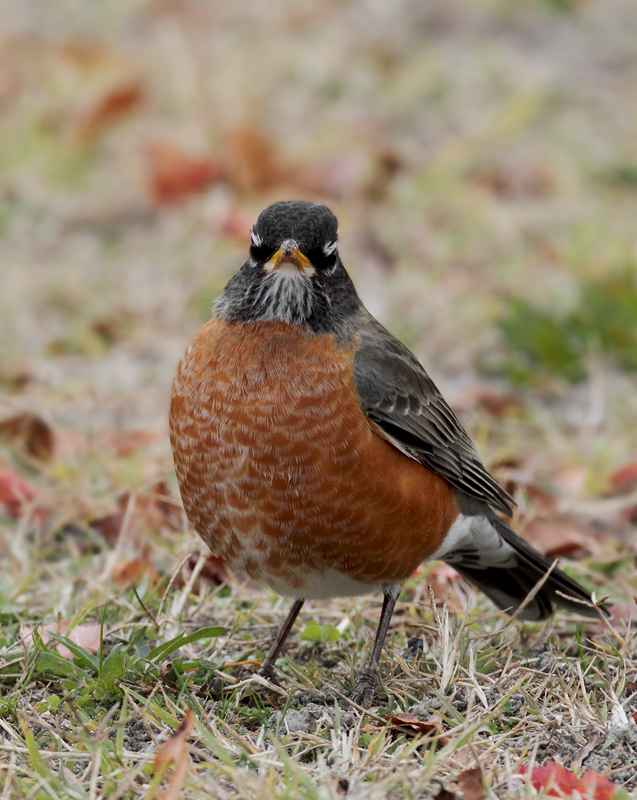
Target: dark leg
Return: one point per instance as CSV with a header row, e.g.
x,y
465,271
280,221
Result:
x,y
267,668
363,691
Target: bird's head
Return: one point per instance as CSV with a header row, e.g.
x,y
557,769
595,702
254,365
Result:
x,y
294,273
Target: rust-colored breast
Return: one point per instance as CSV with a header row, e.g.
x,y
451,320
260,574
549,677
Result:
x,y
281,472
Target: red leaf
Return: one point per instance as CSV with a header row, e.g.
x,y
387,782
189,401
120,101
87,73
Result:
x,y
174,175
561,782
16,493
113,106
624,478
175,751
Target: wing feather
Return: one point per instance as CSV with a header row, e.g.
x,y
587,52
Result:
x,y
397,394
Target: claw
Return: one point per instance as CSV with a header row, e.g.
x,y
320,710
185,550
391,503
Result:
x,y
363,690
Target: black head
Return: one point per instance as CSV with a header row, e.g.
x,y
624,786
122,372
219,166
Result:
x,y
294,273
313,228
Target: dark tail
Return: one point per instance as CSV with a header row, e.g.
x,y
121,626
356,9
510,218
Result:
x,y
508,586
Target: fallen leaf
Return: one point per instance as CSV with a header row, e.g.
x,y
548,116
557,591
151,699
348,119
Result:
x,y
31,432
174,751
442,581
127,443
237,226
117,103
443,794
253,162
409,725
87,636
131,571
561,535
16,493
174,175
557,781
13,380
151,511
499,404
515,180
625,478
470,784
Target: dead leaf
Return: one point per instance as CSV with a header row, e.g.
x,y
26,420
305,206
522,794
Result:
x,y
87,636
410,725
557,781
117,103
151,511
443,794
175,175
625,478
515,180
127,443
128,572
174,751
499,404
253,162
213,572
31,432
13,380
470,784
16,493
237,226
442,580
561,535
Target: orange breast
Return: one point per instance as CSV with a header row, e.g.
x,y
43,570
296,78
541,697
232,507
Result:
x,y
280,471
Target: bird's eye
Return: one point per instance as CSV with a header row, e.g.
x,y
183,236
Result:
x,y
322,257
260,251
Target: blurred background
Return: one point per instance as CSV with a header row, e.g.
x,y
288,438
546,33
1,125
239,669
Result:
x,y
481,158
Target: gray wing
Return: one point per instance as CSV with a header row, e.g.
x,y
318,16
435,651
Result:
x,y
397,394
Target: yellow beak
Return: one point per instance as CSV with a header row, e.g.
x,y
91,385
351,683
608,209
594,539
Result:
x,y
290,255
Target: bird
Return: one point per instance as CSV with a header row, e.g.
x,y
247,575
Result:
x,y
314,453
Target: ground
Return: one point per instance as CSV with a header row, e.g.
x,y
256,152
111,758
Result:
x,y
481,159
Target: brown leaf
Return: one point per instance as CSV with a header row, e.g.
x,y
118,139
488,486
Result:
x,y
441,580
515,180
470,784
443,794
16,493
117,103
409,725
87,636
253,162
150,511
127,443
561,535
174,175
31,432
132,571
499,404
624,479
174,751
13,380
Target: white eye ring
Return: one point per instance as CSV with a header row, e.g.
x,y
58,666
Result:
x,y
257,241
329,248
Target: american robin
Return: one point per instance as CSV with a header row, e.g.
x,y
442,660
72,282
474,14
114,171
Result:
x,y
314,453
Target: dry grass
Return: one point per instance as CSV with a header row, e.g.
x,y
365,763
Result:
x,y
473,153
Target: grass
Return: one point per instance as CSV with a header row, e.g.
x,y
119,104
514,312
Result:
x,y
484,183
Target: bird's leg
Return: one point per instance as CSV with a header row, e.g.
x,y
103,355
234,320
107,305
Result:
x,y
267,667
363,691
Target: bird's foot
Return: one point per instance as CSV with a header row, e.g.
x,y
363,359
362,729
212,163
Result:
x,y
363,690
267,671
